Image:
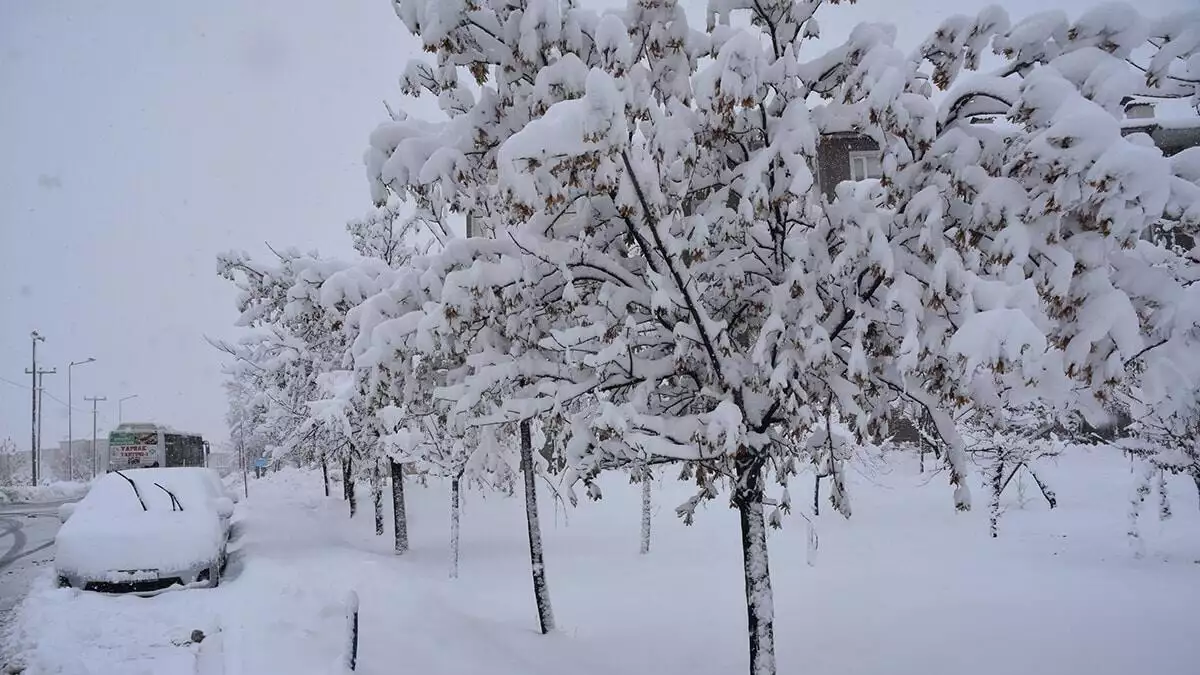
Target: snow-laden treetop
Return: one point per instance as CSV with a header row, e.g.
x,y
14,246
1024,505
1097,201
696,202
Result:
x,y
660,268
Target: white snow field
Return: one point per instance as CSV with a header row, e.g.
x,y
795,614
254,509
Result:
x,y
906,586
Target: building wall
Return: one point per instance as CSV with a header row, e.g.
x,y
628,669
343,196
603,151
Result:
x,y
833,158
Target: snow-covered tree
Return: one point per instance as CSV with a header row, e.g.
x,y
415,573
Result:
x,y
663,273
1109,56
298,339
246,412
1011,450
386,234
10,463
426,379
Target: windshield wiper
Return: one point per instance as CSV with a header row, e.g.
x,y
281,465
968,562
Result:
x,y
135,489
174,499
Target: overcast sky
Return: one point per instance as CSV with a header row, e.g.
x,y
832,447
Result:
x,y
140,139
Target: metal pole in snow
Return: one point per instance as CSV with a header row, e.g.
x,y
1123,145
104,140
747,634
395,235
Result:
x,y
70,427
352,631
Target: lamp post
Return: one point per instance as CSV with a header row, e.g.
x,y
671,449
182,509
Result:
x,y
70,419
120,414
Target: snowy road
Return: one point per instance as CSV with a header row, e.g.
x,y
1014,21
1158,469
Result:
x,y
27,542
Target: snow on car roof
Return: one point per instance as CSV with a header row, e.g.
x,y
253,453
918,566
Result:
x,y
113,492
109,529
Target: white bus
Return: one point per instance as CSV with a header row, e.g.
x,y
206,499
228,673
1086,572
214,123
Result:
x,y
140,445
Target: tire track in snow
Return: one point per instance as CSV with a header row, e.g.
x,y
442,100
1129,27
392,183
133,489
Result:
x,y
14,528
7,560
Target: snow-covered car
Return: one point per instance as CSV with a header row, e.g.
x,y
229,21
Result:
x,y
145,530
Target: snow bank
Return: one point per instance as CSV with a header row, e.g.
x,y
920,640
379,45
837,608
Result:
x,y
52,492
62,631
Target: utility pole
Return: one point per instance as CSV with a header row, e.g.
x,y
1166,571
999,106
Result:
x,y
33,419
41,390
95,458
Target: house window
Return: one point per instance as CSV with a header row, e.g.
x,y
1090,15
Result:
x,y
865,164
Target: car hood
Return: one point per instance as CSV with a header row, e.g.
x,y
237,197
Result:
x,y
91,544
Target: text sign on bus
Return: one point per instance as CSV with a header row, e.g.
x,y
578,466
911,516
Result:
x,y
133,439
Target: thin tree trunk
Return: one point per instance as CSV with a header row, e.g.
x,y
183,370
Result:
x,y
345,480
377,497
348,481
816,494
541,593
1141,490
922,454
399,513
325,473
455,516
1196,479
1051,498
1164,501
748,496
645,511
998,484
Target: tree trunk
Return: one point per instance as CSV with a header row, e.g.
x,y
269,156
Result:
x,y
541,593
645,512
998,484
922,455
1141,490
325,473
399,513
345,483
348,482
1051,498
377,497
1196,479
816,494
455,511
748,496
1164,501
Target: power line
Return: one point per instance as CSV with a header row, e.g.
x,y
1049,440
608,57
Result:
x,y
45,393
15,384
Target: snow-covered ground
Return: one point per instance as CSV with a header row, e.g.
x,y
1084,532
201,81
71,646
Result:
x,y
906,586
57,491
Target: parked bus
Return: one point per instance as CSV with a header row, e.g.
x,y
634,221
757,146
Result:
x,y
140,445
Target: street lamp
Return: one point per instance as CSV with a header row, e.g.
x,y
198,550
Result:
x,y
120,414
70,419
